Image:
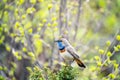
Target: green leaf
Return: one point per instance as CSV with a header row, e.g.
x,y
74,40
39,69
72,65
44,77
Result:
x,y
21,2
33,1
38,45
110,21
31,10
102,3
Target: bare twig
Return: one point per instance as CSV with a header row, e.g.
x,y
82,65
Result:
x,y
111,47
77,19
62,10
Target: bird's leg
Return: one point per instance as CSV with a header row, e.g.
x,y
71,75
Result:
x,y
65,61
68,63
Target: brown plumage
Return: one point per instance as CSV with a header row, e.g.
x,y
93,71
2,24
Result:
x,y
62,51
80,63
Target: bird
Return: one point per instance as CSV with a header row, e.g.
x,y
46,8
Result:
x,y
68,53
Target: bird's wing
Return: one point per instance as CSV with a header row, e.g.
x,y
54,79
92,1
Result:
x,y
72,51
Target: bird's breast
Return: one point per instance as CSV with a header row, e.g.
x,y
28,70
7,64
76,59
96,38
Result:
x,y
66,55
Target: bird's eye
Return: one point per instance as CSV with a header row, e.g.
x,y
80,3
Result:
x,y
59,40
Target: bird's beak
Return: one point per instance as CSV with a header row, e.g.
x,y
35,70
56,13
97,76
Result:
x,y
55,40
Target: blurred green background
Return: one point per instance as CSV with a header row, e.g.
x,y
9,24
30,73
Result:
x,y
28,29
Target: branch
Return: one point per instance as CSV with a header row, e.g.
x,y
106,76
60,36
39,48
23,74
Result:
x,y
77,19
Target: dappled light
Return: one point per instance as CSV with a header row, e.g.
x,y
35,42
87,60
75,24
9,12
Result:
x,y
59,39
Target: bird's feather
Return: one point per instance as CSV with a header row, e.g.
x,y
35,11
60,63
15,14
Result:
x,y
80,63
62,51
68,52
72,51
66,56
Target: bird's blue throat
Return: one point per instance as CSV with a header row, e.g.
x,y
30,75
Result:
x,y
61,45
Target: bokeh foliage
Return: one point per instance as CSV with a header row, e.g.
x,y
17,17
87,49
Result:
x,y
28,29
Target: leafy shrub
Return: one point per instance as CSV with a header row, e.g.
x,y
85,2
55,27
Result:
x,y
65,73
2,78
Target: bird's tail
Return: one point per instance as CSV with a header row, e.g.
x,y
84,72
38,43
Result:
x,y
80,63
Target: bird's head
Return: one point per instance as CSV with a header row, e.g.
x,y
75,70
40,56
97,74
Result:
x,y
62,43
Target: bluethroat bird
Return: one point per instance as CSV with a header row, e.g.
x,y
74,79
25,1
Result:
x,y
68,53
